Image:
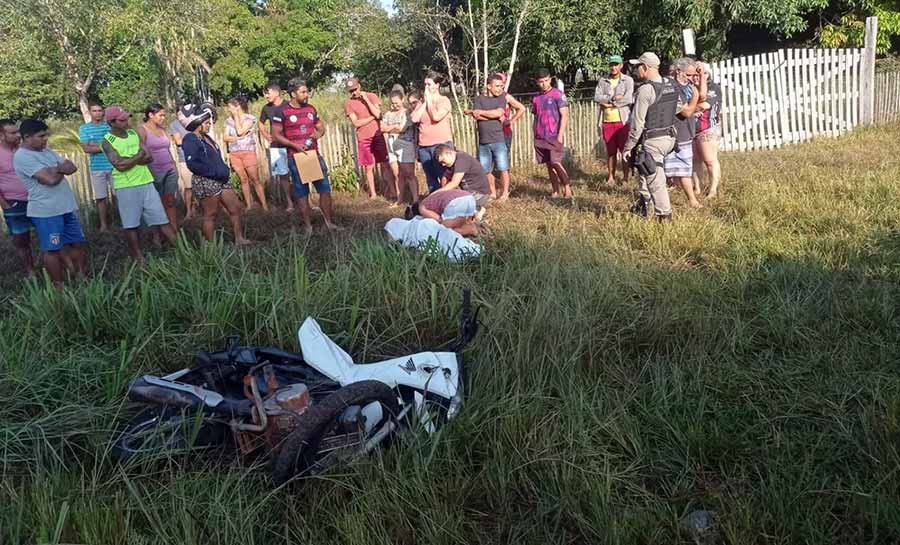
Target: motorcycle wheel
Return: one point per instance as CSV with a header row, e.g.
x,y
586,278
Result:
x,y
317,444
159,432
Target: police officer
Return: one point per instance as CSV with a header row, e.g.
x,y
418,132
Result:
x,y
652,126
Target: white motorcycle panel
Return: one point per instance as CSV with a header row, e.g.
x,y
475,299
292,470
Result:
x,y
434,372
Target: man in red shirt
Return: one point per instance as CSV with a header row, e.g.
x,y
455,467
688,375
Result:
x,y
297,127
364,111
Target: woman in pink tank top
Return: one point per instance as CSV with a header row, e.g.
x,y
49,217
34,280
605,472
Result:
x,y
156,141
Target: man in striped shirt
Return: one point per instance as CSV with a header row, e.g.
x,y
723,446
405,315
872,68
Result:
x,y
91,135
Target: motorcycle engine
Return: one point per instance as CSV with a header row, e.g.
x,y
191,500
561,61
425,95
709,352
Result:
x,y
285,406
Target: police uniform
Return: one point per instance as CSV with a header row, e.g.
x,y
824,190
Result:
x,y
652,126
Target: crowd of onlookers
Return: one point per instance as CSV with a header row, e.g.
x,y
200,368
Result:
x,y
665,128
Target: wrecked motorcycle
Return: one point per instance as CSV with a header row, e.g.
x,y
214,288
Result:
x,y
309,412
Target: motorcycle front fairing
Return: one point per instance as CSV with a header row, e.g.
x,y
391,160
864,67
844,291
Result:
x,y
432,372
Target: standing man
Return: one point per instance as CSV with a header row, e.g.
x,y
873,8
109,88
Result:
x,y
51,202
135,193
551,118
185,176
363,109
298,128
14,196
493,151
679,164
91,135
615,94
652,127
278,155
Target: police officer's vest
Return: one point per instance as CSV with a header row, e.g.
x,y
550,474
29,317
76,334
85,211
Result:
x,y
661,114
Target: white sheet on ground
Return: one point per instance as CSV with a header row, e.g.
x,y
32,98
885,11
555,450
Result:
x,y
417,231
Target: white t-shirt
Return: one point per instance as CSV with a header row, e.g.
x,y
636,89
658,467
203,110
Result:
x,y
44,201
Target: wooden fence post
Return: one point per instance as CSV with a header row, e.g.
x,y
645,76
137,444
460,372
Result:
x,y
867,98
689,47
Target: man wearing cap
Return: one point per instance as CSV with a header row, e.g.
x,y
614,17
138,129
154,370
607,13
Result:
x,y
135,194
453,208
615,94
51,202
90,135
652,122
364,111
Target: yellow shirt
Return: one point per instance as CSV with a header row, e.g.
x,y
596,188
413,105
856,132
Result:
x,y
611,115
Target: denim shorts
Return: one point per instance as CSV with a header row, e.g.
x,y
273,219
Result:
x,y
278,161
16,219
301,189
494,157
58,231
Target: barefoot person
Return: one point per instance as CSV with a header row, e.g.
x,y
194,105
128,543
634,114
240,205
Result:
x,y
433,117
91,136
177,132
240,135
551,118
156,140
493,152
51,202
136,195
14,197
278,156
298,128
679,164
709,131
453,208
400,133
363,109
464,172
211,174
615,94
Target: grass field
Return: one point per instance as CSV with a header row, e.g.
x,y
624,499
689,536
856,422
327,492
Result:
x,y
742,360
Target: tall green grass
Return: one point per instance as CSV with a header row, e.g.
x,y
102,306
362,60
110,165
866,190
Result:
x,y
743,360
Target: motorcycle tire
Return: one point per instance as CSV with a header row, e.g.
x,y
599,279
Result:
x,y
174,427
298,451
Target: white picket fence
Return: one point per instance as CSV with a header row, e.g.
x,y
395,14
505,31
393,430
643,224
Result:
x,y
789,96
887,97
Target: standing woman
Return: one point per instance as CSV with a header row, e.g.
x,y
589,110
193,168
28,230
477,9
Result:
x,y
240,135
433,118
400,133
165,175
709,131
211,175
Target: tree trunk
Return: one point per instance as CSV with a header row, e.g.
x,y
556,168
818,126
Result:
x,y
515,48
484,41
443,41
473,36
81,89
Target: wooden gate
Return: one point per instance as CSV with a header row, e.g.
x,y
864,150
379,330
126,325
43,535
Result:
x,y
790,95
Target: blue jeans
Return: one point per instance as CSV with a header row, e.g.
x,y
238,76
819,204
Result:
x,y
494,157
302,190
433,170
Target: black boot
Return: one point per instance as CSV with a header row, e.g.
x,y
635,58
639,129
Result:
x,y
664,218
639,208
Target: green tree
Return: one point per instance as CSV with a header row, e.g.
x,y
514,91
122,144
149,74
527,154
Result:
x,y
849,30
277,43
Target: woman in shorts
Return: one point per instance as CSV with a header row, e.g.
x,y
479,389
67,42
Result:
x,y
211,181
165,174
240,135
709,131
400,133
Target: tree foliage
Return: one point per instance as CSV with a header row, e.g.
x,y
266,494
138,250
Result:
x,y
57,54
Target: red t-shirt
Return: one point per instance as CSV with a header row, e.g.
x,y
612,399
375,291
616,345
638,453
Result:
x,y
298,124
358,107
